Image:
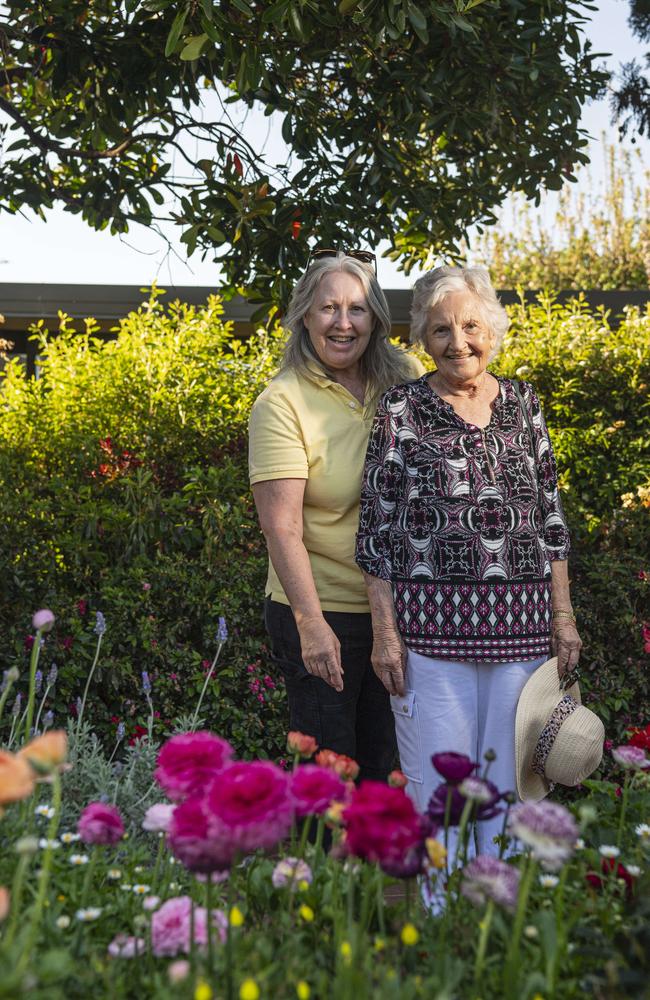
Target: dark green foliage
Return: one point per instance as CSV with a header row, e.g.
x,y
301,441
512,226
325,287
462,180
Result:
x,y
407,122
123,486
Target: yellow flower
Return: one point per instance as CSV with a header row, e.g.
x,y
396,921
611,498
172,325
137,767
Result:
x,y
306,913
380,943
203,990
410,935
335,813
61,898
249,990
436,851
302,990
303,885
236,918
346,952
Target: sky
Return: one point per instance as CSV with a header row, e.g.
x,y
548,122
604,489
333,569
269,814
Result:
x,y
64,249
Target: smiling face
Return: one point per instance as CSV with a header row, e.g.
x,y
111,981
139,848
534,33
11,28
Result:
x,y
458,338
340,322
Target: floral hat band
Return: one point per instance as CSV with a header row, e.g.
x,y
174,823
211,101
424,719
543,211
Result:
x,y
557,739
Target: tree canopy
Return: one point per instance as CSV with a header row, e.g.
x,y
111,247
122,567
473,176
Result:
x,y
631,99
407,121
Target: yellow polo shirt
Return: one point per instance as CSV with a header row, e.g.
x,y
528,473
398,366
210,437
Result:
x,y
316,430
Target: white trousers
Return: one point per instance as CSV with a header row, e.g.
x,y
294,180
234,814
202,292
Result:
x,y
465,707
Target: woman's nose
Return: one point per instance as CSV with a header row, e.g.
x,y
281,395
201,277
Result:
x,y
343,319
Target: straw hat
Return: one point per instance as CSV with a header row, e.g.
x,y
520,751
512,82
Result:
x,y
557,739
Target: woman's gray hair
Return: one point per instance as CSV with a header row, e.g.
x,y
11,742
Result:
x,y
432,287
382,364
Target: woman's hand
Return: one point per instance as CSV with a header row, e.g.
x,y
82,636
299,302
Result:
x,y
321,651
566,645
389,659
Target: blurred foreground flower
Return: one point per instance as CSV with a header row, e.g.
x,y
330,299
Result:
x,y
300,743
345,767
188,762
314,789
16,778
488,878
171,926
46,752
126,946
249,806
453,767
383,825
633,758
158,817
547,828
100,824
291,871
5,902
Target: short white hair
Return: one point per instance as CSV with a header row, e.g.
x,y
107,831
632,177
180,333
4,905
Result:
x,y
432,287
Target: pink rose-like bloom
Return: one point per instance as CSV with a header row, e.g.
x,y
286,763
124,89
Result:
x,y
301,744
100,824
249,806
170,926
631,757
383,825
188,763
125,946
314,789
486,878
158,817
43,620
190,841
178,970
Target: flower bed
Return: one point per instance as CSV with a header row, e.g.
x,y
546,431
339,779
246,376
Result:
x,y
226,889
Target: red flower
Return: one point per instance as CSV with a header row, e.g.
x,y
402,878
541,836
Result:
x,y
383,825
610,866
67,642
82,607
295,230
640,738
302,744
28,642
397,779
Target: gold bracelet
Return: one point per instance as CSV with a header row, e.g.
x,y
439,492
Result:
x,y
569,615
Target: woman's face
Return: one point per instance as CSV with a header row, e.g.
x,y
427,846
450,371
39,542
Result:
x,y
458,338
339,321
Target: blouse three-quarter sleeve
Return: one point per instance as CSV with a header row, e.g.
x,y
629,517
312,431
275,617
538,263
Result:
x,y
554,526
382,477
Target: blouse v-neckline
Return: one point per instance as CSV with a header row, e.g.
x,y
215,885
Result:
x,y
495,404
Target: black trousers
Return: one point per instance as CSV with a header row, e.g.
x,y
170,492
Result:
x,y
357,721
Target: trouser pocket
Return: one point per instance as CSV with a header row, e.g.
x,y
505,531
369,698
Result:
x,y
407,730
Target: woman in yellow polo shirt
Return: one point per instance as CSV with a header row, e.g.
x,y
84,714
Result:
x,y
308,435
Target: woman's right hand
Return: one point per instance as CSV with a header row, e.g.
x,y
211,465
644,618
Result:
x,y
389,659
321,651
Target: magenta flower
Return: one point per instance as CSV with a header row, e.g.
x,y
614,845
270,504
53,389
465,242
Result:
x,y
43,620
190,842
484,807
383,825
188,763
249,806
547,828
314,789
486,878
170,926
632,758
453,767
100,824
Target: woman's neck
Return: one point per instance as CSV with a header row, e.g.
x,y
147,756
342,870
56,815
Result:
x,y
472,389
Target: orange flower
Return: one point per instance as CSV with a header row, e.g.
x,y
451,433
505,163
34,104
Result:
x,y
47,752
16,778
297,742
345,767
5,903
397,779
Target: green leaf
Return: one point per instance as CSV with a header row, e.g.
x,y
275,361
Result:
x,y
193,47
175,31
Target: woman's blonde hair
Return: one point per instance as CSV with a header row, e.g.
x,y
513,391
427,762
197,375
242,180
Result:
x,y
432,287
382,364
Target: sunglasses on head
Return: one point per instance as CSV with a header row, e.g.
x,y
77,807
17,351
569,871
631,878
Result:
x,y
363,256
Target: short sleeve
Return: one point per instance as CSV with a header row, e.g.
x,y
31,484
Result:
x,y
276,446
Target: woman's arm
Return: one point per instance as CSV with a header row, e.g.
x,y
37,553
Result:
x,y
279,505
566,641
388,649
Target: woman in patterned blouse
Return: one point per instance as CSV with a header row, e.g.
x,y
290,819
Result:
x,y
462,540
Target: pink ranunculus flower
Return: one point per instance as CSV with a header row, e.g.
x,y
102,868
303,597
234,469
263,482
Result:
x,y
188,762
314,789
158,817
632,758
383,825
43,620
126,946
190,841
100,824
249,806
170,926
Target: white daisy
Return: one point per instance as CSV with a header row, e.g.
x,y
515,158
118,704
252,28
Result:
x,y
53,844
141,890
69,838
62,922
643,831
138,869
548,881
126,886
88,914
580,844
634,870
608,851
114,874
47,812
78,859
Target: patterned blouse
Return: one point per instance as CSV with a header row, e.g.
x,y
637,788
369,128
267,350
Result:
x,y
464,522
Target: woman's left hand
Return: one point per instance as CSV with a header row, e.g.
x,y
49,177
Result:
x,y
566,645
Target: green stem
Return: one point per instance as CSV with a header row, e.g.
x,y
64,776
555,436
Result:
x,y
229,930
40,707
5,694
462,841
318,846
485,926
380,901
33,663
447,815
195,717
43,879
16,896
621,819
209,928
159,857
88,681
303,836
510,980
562,936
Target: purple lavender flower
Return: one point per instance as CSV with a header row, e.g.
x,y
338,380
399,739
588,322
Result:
x,y
78,706
52,675
488,878
146,683
16,706
48,719
222,630
100,624
38,681
547,828
121,730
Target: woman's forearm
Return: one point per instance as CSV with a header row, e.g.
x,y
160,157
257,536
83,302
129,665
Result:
x,y
382,608
560,587
290,561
